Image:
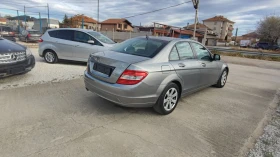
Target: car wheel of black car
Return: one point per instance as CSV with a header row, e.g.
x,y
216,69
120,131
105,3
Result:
x,y
50,56
168,99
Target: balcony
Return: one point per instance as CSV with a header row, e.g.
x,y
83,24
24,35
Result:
x,y
230,28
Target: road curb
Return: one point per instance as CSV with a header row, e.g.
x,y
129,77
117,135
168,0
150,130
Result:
x,y
250,142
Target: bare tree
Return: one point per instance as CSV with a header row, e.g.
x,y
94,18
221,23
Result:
x,y
269,28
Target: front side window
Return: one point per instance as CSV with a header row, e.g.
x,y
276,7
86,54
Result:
x,y
201,52
101,37
140,47
82,37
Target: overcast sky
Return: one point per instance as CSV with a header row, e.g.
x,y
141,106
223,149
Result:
x,y
246,13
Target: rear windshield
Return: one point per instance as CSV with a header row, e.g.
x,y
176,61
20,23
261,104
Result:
x,y
5,29
140,47
34,32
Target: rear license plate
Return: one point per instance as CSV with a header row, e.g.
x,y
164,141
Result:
x,y
105,69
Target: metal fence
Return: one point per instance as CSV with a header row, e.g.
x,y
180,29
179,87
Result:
x,y
121,36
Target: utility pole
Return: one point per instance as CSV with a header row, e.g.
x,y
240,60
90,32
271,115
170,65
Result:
x,y
24,18
18,21
48,15
195,5
97,15
236,36
40,22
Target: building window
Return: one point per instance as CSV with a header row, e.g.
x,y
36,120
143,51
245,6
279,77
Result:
x,y
215,23
125,26
119,25
214,28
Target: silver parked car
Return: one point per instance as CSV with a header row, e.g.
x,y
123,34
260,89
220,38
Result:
x,y
29,35
72,44
153,72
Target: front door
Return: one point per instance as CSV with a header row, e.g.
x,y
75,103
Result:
x,y
186,65
82,48
208,67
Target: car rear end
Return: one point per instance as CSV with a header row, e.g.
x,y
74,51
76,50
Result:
x,y
119,77
34,36
7,33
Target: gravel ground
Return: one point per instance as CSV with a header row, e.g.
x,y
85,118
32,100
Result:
x,y
268,145
44,72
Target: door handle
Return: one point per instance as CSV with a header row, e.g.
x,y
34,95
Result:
x,y
203,64
181,65
76,45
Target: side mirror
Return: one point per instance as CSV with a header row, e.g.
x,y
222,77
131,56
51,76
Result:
x,y
217,57
91,42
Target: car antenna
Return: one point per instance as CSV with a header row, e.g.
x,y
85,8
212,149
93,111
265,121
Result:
x,y
147,37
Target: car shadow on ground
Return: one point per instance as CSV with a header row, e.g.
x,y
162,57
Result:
x,y
64,62
104,107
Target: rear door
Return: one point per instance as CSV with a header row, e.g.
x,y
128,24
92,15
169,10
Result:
x,y
64,43
186,65
82,48
208,68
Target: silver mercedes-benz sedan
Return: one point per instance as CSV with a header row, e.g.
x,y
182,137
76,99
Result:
x,y
153,72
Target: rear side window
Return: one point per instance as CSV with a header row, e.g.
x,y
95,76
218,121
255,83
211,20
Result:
x,y
185,50
6,29
62,34
52,34
181,50
65,34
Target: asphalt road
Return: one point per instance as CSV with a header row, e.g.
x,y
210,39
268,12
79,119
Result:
x,y
63,119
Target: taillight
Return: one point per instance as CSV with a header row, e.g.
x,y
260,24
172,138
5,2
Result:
x,y
12,33
29,35
132,77
40,40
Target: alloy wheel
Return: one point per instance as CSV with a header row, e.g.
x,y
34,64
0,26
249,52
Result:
x,y
170,99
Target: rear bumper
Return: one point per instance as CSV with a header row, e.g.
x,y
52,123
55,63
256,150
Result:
x,y
18,67
120,94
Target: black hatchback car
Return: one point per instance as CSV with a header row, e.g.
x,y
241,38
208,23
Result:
x,y
14,58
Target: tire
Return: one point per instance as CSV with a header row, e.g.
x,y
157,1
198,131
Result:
x,y
170,104
50,56
222,80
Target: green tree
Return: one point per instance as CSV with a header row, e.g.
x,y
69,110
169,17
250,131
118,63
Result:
x,y
7,16
269,28
65,20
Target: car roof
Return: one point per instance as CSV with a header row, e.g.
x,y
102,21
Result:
x,y
76,29
166,38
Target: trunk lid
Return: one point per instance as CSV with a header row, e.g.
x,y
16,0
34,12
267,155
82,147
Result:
x,y
109,65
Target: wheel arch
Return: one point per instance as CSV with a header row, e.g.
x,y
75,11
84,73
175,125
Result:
x,y
172,78
46,50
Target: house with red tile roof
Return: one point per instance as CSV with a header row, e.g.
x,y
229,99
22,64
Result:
x,y
89,23
121,25
222,26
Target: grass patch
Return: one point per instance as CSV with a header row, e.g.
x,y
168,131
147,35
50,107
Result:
x,y
268,154
254,50
237,54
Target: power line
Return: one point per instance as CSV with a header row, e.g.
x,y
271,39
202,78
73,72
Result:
x,y
158,9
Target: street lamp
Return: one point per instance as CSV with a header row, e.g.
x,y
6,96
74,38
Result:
x,y
195,5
